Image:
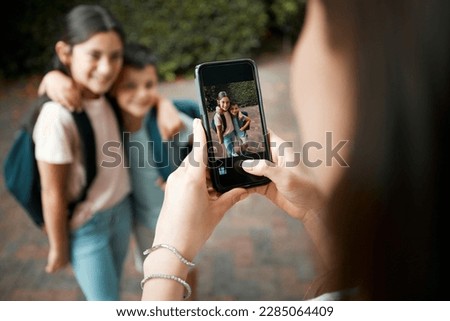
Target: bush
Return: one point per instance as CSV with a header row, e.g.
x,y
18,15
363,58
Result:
x,y
29,36
287,16
185,33
181,33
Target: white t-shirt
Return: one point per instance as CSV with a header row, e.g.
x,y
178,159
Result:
x,y
218,121
57,142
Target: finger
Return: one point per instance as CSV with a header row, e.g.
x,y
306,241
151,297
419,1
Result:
x,y
198,157
62,99
164,133
77,103
282,150
49,268
260,167
228,199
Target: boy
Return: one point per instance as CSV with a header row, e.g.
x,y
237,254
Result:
x,y
241,123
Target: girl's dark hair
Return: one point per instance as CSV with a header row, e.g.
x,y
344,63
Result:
x,y
82,22
222,94
389,215
138,56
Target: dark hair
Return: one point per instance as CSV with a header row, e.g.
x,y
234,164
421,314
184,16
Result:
x,y
82,22
389,215
222,94
138,56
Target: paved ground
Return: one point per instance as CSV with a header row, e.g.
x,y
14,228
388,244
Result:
x,y
257,252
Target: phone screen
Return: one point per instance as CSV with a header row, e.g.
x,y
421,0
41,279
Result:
x,y
233,116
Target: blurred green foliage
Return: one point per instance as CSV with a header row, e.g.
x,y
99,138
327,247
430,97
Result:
x,y
243,93
181,33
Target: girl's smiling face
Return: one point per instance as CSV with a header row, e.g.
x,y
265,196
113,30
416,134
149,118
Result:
x,y
96,63
224,103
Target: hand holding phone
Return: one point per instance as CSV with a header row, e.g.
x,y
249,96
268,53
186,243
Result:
x,y
233,116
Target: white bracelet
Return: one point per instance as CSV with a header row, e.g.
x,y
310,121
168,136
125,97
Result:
x,y
173,250
169,277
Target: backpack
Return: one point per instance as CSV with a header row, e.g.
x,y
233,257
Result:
x,y
224,123
20,167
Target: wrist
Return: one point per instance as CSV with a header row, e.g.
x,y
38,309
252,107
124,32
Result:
x,y
164,261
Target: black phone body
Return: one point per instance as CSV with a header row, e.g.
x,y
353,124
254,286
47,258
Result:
x,y
239,79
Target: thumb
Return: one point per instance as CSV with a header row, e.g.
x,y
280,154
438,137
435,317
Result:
x,y
198,157
260,167
228,199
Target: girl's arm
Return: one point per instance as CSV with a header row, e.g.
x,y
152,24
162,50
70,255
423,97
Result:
x,y
54,203
294,190
186,228
220,133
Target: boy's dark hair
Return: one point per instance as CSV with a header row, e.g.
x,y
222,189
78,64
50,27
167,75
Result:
x,y
138,56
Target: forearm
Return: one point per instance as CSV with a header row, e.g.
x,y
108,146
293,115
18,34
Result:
x,y
54,203
56,220
314,223
247,123
220,136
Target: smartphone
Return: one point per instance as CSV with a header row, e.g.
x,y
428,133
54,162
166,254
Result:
x,y
233,116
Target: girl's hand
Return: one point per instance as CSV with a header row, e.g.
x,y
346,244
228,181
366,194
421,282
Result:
x,y
61,88
192,209
290,188
57,259
295,192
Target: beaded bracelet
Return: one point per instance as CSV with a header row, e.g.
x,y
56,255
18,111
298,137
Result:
x,y
169,277
173,250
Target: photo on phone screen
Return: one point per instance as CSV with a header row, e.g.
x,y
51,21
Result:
x,y
233,117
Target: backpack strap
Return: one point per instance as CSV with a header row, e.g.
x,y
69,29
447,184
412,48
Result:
x,y
87,138
160,149
224,122
188,107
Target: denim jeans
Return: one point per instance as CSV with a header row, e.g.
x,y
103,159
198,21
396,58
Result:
x,y
228,141
98,251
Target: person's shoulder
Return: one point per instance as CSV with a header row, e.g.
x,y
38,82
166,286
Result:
x,y
52,111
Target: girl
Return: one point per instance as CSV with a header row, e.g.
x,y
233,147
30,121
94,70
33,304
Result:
x,y
96,239
223,123
373,73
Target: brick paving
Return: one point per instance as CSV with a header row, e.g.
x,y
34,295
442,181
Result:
x,y
257,252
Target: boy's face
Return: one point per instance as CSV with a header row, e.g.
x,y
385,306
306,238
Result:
x,y
136,90
234,110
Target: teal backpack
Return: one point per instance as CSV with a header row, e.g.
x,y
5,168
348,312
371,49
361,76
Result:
x,y
20,167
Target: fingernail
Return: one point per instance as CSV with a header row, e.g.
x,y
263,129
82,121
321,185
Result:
x,y
243,197
248,165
